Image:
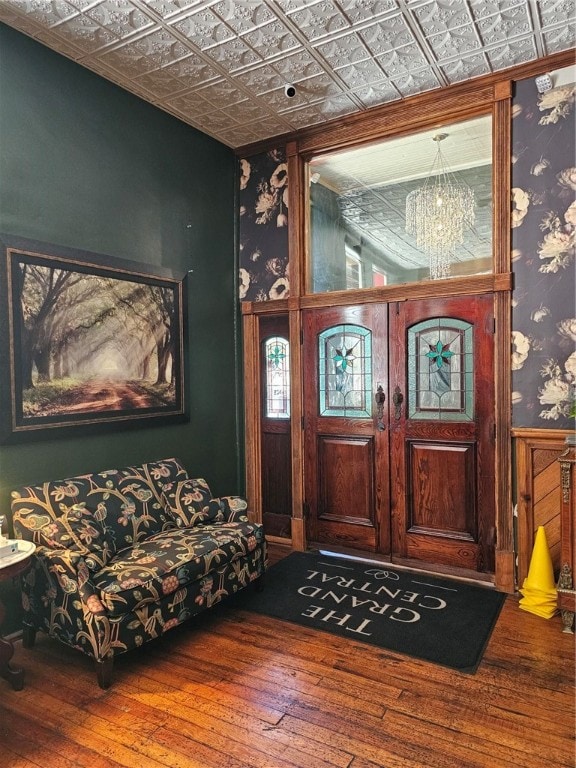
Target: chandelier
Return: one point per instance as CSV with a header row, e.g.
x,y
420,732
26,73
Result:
x,y
438,213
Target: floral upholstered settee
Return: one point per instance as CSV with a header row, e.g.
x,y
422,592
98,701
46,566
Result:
x,y
127,554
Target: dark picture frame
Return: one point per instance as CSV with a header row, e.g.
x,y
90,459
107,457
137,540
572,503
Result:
x,y
88,342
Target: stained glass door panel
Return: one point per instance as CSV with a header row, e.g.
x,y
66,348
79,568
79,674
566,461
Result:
x,y
441,370
345,371
442,431
346,453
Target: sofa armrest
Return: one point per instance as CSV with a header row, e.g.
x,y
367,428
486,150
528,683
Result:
x,y
58,583
234,508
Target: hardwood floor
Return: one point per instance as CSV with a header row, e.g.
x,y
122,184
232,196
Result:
x,y
239,690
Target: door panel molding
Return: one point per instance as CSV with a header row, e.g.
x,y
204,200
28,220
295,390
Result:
x,y
339,457
455,554
442,472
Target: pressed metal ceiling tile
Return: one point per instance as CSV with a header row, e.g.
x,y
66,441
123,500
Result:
x,y
86,33
320,20
387,35
190,104
119,17
483,8
459,42
416,82
296,67
43,12
404,59
260,80
376,93
512,53
347,49
361,73
560,39
504,25
167,8
435,17
343,56
367,10
147,53
233,55
244,15
204,29
465,68
555,11
271,40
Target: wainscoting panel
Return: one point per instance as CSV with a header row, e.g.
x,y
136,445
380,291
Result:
x,y
537,493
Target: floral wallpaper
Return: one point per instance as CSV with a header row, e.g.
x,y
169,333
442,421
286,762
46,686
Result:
x,y
264,227
543,256
543,249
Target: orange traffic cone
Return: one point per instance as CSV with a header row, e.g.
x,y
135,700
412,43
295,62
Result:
x,y
539,589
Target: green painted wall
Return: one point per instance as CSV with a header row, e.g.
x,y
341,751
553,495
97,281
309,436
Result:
x,y
87,165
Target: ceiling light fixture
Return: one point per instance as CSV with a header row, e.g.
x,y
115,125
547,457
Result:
x,y
438,213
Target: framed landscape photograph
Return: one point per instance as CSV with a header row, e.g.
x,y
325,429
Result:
x,y
87,342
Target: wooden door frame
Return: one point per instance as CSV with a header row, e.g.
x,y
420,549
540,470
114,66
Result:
x,y
490,94
498,284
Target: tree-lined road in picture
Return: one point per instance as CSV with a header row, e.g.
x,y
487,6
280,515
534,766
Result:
x,y
92,343
95,396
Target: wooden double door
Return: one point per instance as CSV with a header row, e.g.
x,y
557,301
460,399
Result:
x,y
399,430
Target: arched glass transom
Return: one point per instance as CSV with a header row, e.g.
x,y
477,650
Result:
x,y
277,361
441,370
345,371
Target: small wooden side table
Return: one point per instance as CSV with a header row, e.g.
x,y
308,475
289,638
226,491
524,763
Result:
x,y
10,567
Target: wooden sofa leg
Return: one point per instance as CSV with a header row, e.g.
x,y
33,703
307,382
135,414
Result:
x,y
28,636
104,672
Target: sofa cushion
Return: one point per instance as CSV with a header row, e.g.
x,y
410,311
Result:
x,y
78,531
189,503
126,502
168,561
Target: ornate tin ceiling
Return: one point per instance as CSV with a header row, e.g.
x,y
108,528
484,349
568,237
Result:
x,y
222,65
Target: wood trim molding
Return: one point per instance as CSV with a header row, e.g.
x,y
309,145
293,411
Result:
x,y
295,219
501,185
504,573
252,394
474,285
297,431
532,433
398,118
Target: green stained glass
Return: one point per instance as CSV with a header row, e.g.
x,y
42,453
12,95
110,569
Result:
x,y
345,371
440,353
440,370
276,355
277,391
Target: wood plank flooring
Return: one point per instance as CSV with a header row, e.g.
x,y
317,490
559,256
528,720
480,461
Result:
x,y
239,690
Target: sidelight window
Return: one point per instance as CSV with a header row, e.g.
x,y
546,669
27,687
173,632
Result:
x,y
277,360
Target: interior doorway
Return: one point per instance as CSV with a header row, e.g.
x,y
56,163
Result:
x,y
399,430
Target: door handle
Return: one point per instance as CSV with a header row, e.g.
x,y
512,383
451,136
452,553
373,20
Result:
x,y
380,398
397,399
